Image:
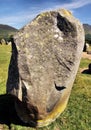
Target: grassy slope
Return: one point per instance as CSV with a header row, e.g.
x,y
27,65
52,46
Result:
x,y
77,115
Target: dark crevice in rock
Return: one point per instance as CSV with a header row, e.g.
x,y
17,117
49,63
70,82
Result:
x,y
24,93
59,88
65,26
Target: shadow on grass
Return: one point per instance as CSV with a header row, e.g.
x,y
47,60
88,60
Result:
x,y
86,71
8,113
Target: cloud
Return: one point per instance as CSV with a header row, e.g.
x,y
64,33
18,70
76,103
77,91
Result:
x,y
74,4
17,20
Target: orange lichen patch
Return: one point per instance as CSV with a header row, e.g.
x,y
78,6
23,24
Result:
x,y
58,109
51,117
65,12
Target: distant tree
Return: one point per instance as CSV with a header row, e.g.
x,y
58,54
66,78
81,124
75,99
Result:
x,y
9,38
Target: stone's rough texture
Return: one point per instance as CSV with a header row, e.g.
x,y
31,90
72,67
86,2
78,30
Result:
x,y
45,57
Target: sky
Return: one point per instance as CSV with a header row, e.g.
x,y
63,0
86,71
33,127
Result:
x,y
17,13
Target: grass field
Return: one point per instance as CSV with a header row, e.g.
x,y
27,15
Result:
x,y
5,52
77,115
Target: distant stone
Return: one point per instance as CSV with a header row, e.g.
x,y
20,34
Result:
x,y
86,47
3,42
45,58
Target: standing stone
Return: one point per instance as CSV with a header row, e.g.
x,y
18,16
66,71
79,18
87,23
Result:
x,y
45,57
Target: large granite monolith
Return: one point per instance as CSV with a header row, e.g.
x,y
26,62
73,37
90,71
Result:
x,y
45,57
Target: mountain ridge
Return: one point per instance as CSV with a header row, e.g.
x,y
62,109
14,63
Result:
x,y
87,28
6,31
4,26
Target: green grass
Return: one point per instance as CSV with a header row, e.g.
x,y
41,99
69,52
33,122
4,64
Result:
x,y
77,115
5,52
84,63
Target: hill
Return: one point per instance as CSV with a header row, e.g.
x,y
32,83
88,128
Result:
x,y
6,31
87,28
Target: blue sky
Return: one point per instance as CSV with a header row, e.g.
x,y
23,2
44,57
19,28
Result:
x,y
18,13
